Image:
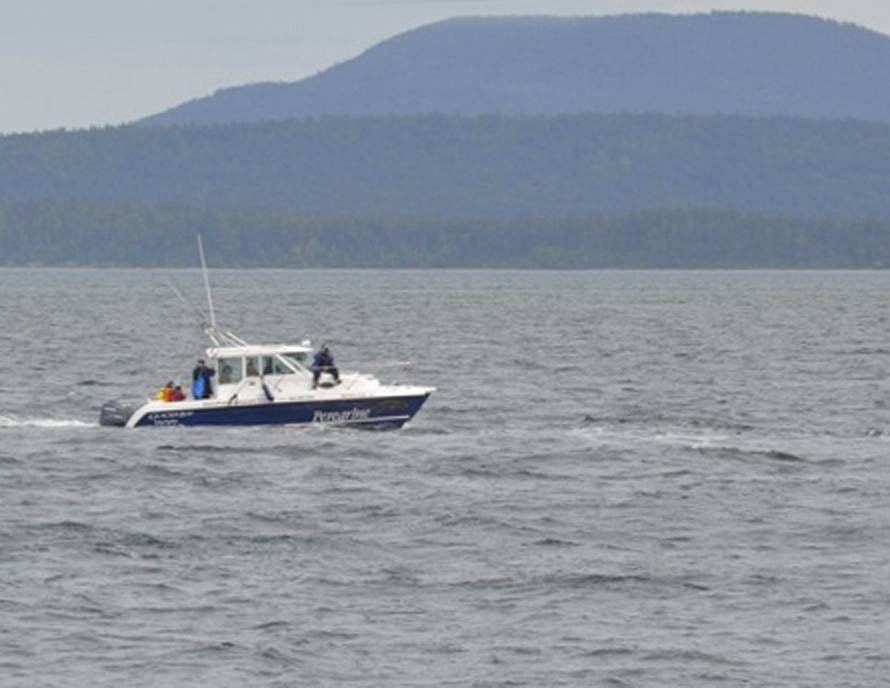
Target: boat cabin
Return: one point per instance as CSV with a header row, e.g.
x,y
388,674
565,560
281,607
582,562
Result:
x,y
242,367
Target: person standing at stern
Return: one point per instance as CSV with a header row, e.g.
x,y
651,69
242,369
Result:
x,y
201,386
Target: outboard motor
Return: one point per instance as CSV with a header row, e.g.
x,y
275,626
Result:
x,y
117,413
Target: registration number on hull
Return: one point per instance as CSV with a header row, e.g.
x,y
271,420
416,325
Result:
x,y
170,418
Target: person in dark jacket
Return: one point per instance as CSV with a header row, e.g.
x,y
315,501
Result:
x,y
201,387
323,362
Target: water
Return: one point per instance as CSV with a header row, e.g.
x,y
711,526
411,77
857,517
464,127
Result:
x,y
625,479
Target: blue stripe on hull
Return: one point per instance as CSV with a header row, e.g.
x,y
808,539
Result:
x,y
384,412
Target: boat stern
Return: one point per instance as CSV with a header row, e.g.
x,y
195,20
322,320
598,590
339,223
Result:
x,y
117,413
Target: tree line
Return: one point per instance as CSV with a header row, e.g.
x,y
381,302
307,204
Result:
x,y
79,233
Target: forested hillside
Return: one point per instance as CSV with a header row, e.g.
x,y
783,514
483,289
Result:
x,y
437,167
726,62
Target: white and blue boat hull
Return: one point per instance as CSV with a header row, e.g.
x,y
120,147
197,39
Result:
x,y
378,412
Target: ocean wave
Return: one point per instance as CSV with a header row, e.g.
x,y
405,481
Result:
x,y
731,445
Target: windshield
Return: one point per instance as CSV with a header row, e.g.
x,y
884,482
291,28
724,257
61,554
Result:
x,y
299,357
272,365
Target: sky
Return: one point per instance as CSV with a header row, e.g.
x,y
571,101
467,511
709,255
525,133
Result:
x,y
82,63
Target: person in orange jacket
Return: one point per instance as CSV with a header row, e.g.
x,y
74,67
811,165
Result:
x,y
166,392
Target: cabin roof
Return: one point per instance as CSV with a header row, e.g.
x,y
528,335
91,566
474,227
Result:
x,y
256,350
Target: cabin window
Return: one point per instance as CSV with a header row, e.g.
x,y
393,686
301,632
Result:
x,y
300,357
252,366
229,371
272,365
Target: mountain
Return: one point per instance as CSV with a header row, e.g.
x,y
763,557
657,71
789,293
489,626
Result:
x,y
726,62
718,140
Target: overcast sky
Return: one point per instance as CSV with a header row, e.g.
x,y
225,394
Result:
x,y
76,63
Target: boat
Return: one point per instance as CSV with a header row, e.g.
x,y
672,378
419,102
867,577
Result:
x,y
260,384
273,385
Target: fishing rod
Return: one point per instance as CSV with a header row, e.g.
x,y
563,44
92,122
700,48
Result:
x,y
215,336
174,287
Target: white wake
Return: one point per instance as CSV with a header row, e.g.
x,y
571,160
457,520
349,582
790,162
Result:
x,y
13,422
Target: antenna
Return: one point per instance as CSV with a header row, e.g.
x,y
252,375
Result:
x,y
206,283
